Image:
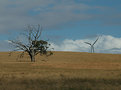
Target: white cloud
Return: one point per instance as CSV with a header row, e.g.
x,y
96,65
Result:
x,y
5,46
105,44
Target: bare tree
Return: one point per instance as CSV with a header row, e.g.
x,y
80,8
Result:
x,y
34,45
92,45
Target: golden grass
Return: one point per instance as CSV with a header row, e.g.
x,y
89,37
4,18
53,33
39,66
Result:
x,y
61,71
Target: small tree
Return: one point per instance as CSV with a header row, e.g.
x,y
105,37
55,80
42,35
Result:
x,y
34,45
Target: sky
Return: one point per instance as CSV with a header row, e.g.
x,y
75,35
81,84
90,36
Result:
x,y
66,23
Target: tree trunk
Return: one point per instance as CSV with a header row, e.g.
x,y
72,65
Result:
x,y
32,56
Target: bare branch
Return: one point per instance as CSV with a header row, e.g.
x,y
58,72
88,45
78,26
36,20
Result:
x,y
19,45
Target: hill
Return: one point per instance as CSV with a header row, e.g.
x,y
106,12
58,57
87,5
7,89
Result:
x,y
63,70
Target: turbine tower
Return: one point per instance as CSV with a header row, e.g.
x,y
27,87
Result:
x,y
92,45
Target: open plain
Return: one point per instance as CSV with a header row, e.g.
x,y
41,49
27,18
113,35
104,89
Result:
x,y
61,71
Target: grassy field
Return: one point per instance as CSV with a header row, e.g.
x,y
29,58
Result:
x,y
61,71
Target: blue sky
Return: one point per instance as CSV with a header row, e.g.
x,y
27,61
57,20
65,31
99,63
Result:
x,y
62,20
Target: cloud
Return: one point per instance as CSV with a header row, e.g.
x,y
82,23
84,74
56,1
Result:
x,y
50,13
105,44
5,46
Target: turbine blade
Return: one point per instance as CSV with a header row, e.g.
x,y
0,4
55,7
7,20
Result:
x,y
95,41
87,43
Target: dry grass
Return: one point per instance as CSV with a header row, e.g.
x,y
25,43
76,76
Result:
x,y
62,71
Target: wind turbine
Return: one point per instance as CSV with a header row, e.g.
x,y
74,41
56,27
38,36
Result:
x,y
92,45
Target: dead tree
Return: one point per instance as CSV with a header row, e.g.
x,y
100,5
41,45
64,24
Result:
x,y
34,43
